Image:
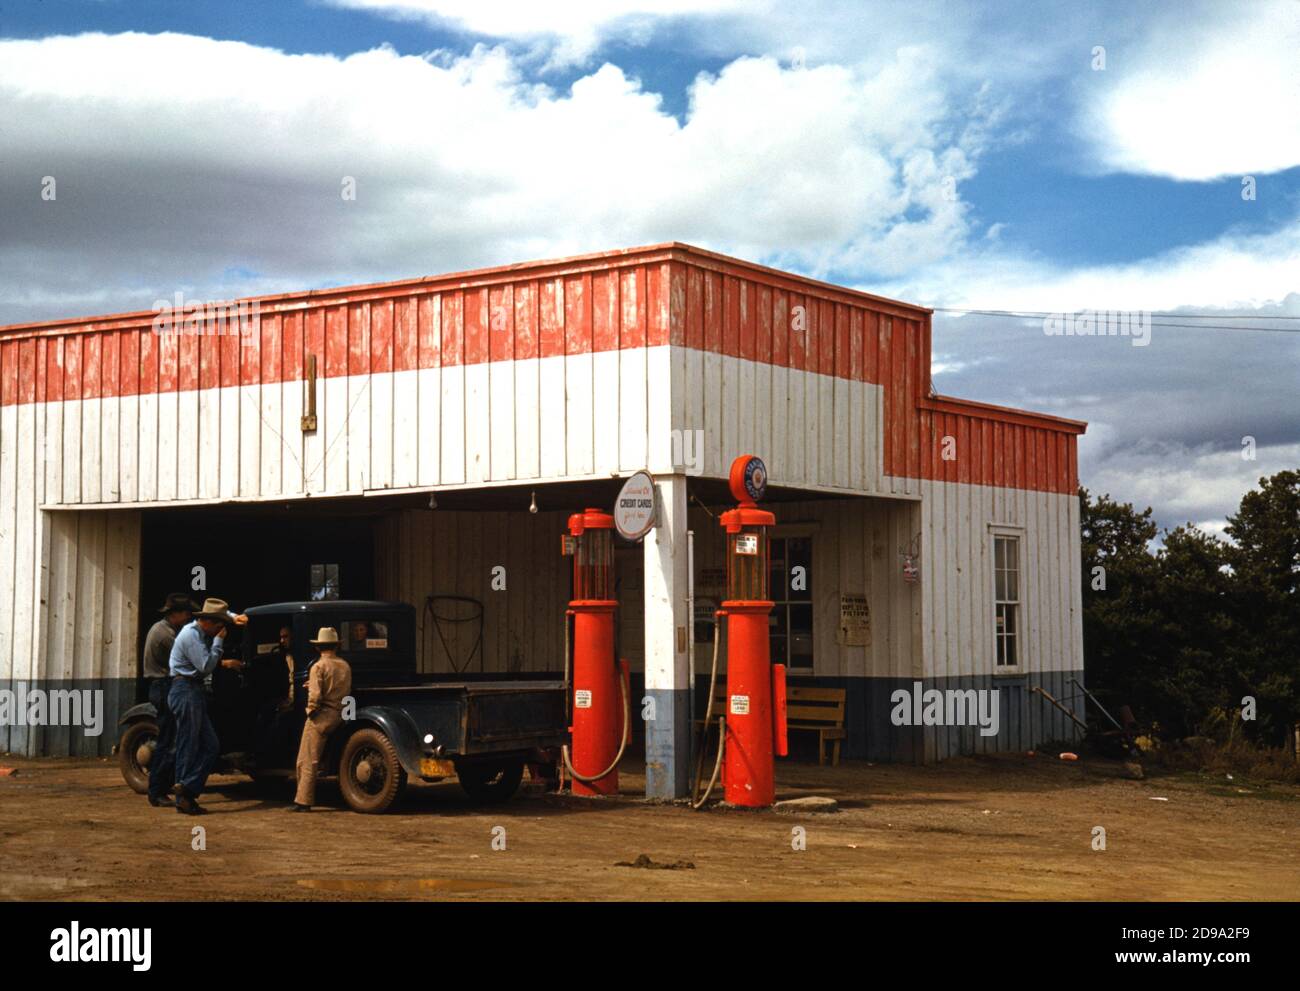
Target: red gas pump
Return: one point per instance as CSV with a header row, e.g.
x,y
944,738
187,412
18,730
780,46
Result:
x,y
755,713
598,728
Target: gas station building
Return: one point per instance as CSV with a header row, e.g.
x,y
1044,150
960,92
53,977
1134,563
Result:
x,y
426,441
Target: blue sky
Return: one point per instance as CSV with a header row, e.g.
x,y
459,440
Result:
x,y
1037,157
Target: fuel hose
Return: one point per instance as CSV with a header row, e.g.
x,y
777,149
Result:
x,y
709,714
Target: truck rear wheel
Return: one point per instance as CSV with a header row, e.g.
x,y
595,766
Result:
x,y
135,751
486,782
370,773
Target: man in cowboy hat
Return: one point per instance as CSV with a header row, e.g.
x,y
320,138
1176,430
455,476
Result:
x,y
176,612
329,682
196,654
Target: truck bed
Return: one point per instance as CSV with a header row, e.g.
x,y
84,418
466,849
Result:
x,y
469,718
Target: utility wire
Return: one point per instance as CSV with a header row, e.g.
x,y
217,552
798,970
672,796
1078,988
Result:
x,y
1158,320
1153,313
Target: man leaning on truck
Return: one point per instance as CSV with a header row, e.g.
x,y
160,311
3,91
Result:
x,y
329,682
196,654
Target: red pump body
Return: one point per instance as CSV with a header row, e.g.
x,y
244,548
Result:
x,y
597,698
755,713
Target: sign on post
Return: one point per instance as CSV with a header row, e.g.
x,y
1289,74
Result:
x,y
634,509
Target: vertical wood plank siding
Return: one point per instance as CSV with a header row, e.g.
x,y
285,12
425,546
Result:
x,y
570,369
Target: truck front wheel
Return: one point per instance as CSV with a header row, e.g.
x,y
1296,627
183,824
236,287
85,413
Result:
x,y
370,773
135,751
485,782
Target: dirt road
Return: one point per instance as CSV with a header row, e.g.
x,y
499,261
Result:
x,y
986,828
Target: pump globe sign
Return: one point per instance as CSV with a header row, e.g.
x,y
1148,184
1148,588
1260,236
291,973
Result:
x,y
634,510
748,478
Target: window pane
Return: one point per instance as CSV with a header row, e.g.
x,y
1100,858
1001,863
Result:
x,y
776,621
778,645
364,635
778,582
801,636
1006,583
800,556
801,650
324,582
801,619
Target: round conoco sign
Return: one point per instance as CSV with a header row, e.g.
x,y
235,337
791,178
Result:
x,y
748,478
634,509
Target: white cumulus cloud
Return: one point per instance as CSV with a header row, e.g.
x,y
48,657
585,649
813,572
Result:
x,y
1201,98
227,178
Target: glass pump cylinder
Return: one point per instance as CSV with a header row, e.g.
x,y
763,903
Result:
x,y
593,564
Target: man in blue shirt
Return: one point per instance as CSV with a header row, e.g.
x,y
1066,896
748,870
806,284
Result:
x,y
196,654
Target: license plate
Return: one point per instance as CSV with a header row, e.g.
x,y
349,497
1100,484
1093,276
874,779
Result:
x,y
432,767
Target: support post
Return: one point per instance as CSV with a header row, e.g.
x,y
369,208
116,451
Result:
x,y
667,639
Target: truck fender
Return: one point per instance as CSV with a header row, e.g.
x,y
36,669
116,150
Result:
x,y
398,727
141,711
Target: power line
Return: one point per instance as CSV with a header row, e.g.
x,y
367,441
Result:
x,y
1159,321
1153,313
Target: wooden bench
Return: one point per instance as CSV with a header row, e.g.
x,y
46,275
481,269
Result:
x,y
818,710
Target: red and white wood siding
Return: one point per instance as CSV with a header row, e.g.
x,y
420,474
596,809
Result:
x,y
1019,477
559,370
415,390
552,371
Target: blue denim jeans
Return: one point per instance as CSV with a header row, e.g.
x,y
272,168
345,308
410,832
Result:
x,y
197,748
162,766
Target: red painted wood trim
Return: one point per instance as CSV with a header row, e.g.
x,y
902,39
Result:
x,y
639,297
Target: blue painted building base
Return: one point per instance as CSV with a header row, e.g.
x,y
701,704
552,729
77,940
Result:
x,y
65,740
1024,720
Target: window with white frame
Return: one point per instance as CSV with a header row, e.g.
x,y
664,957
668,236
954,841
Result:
x,y
1006,601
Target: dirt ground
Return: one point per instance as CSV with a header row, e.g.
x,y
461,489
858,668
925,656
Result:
x,y
1010,827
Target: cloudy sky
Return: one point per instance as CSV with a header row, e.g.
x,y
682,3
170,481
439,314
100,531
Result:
x,y
1035,159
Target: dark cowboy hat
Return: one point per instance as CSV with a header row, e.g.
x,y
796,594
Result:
x,y
179,602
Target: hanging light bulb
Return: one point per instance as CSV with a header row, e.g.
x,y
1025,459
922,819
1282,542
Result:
x,y
532,506
433,501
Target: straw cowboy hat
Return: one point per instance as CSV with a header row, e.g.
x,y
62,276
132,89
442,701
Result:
x,y
326,636
215,609
178,602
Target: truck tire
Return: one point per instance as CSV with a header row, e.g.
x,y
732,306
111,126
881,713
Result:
x,y
134,751
489,783
370,773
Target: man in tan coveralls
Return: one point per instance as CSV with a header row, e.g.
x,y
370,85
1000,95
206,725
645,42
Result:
x,y
329,682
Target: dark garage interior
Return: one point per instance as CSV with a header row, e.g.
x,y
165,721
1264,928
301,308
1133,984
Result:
x,y
253,555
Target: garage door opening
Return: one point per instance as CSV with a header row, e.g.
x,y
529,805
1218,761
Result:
x,y
253,555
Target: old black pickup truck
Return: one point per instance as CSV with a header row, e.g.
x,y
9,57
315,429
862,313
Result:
x,y
405,724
